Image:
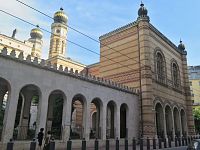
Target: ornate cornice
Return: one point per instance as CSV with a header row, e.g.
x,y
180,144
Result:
x,y
118,30
163,37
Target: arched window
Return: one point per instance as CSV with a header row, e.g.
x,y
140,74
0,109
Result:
x,y
57,45
160,67
175,74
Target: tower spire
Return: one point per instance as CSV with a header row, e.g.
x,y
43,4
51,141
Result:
x,y
59,34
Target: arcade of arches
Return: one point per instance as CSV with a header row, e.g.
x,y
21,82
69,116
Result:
x,y
170,121
28,104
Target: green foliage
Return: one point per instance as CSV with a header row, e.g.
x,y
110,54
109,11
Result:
x,y
35,99
196,114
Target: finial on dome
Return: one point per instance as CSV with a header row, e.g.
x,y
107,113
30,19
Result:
x,y
36,33
60,16
142,4
143,12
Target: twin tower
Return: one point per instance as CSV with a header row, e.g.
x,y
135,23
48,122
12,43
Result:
x,y
58,37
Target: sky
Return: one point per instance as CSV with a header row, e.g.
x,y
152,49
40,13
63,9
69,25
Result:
x,y
174,18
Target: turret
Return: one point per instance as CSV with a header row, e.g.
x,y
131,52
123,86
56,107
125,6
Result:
x,y
36,38
59,34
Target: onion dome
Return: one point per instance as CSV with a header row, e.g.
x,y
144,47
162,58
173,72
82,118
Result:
x,y
181,46
36,33
142,12
60,16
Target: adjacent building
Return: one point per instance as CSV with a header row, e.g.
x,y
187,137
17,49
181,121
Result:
x,y
194,77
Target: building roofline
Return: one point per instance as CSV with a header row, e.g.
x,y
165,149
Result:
x,y
154,29
164,37
118,30
80,76
14,39
92,65
67,59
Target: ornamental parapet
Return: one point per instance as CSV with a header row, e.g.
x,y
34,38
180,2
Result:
x,y
43,64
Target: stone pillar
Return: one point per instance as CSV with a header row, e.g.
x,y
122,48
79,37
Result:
x,y
117,121
103,120
10,113
181,132
86,120
164,121
189,104
147,122
42,110
50,113
173,126
23,125
66,120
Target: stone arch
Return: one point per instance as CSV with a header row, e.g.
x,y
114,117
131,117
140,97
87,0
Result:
x,y
158,100
169,120
55,113
96,110
111,119
175,73
123,120
160,65
159,117
5,90
177,126
78,116
183,122
27,112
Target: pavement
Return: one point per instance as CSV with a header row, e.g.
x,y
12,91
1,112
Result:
x,y
130,148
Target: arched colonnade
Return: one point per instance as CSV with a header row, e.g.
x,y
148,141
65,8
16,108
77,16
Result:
x,y
170,121
66,114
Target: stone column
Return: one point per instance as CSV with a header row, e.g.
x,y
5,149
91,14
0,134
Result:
x,y
164,121
173,126
117,122
180,124
98,123
50,113
23,125
188,99
103,120
86,120
147,124
42,110
10,113
66,119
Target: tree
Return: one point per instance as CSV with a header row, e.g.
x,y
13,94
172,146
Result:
x,y
196,114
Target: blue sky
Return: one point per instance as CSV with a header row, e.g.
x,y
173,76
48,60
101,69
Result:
x,y
174,18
